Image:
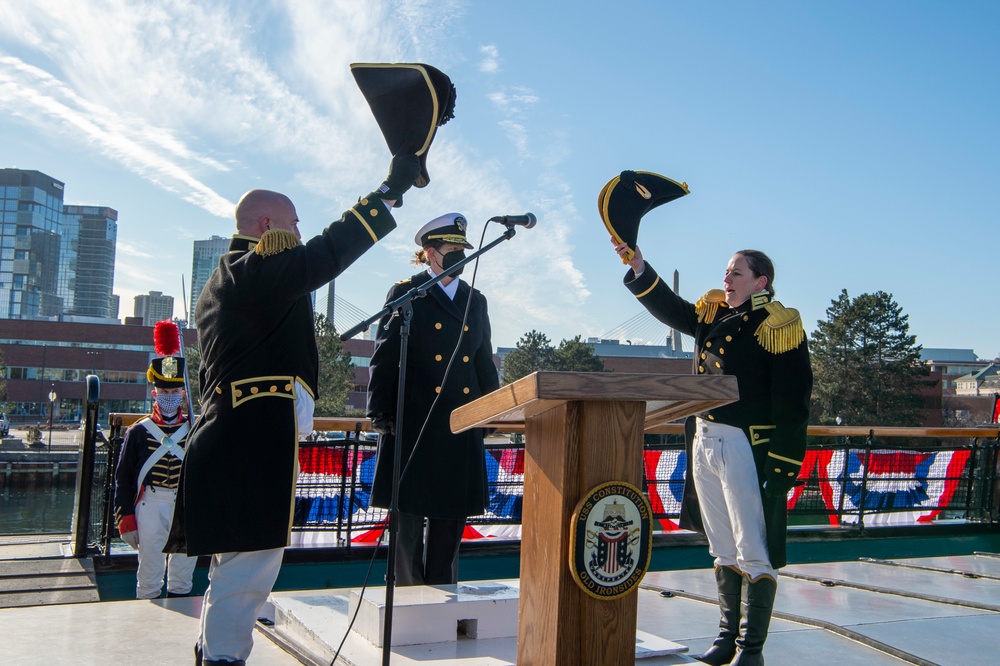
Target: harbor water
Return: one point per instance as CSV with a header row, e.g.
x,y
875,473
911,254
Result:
x,y
35,509
38,485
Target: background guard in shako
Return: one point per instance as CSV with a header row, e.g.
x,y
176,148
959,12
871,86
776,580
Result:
x,y
148,471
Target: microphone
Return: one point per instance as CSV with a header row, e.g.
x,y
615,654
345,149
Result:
x,y
527,220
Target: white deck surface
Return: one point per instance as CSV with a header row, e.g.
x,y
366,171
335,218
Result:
x,y
920,611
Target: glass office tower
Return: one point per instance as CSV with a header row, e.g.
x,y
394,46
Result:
x,y
30,230
87,266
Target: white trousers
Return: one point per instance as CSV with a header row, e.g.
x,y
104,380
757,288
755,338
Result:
x,y
729,495
239,584
153,515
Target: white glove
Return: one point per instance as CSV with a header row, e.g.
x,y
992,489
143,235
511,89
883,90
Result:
x,y
132,539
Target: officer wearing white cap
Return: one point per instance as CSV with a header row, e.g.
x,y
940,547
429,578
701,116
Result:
x,y
442,478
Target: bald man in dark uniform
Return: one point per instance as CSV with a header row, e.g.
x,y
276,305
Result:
x,y
259,374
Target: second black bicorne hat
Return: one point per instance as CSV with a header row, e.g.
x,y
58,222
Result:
x,y
629,196
409,102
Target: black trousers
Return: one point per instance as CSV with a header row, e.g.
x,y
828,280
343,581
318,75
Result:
x,y
428,554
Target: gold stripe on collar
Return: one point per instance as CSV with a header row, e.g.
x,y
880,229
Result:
x,y
241,243
759,300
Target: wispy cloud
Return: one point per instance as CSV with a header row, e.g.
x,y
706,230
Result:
x,y
518,135
514,104
514,100
205,99
151,152
490,62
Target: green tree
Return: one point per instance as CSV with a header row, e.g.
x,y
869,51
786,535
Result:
x,y
576,356
866,364
336,372
534,352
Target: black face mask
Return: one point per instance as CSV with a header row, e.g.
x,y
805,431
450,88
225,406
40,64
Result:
x,y
450,259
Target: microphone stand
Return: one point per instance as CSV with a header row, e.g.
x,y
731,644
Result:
x,y
403,308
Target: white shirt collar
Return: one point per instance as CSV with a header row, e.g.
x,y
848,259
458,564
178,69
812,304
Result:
x,y
450,289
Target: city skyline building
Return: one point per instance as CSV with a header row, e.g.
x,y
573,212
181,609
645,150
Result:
x,y
87,261
153,307
30,231
204,260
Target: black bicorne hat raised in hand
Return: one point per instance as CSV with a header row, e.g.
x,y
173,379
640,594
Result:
x,y
629,196
409,102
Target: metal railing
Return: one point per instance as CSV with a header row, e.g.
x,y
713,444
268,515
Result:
x,y
851,476
93,475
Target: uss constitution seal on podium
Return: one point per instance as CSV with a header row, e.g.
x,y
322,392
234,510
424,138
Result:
x,y
611,540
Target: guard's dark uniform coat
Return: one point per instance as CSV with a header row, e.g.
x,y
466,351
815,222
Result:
x,y
138,446
445,475
256,332
774,387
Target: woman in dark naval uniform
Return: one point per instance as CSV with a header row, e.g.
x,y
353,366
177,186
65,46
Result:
x,y
442,478
743,457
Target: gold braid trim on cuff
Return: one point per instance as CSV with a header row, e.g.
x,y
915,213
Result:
x,y
651,287
275,241
772,454
708,305
782,330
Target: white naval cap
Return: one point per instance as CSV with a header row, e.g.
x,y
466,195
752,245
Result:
x,y
448,228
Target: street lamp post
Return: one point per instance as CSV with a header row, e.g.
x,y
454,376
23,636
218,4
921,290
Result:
x,y
52,403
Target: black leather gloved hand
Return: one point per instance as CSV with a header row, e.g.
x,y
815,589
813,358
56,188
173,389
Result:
x,y
383,425
403,171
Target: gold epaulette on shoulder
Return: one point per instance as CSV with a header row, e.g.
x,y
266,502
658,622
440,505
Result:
x,y
406,281
782,330
708,305
276,240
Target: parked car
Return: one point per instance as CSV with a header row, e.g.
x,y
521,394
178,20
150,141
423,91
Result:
x,y
4,425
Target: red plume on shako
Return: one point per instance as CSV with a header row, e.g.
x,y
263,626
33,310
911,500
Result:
x,y
166,338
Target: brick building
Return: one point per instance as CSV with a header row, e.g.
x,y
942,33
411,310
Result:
x,y
42,356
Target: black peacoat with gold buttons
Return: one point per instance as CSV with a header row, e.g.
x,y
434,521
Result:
x,y
443,474
258,347
774,386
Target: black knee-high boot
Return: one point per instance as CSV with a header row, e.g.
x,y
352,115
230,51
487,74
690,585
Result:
x,y
757,609
722,651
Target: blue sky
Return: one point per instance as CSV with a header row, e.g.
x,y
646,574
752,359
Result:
x,y
855,142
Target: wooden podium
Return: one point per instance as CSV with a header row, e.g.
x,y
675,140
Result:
x,y
581,429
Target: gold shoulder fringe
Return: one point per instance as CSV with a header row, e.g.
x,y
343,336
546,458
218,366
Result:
x,y
782,330
276,240
708,305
